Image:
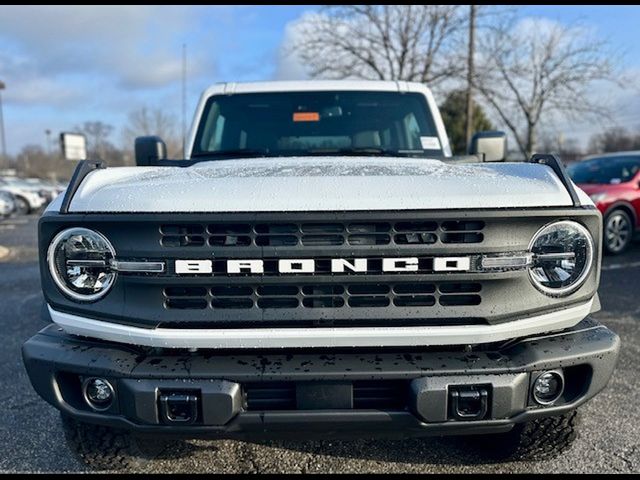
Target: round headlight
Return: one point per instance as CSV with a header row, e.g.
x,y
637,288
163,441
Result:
x,y
79,262
562,257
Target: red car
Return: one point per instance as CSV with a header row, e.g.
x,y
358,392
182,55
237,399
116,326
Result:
x,y
613,183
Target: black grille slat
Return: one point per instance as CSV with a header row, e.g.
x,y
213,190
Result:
x,y
460,300
459,288
368,301
270,396
359,295
186,303
405,288
323,302
232,303
276,240
415,238
380,395
415,301
322,228
232,290
322,240
278,302
462,225
368,289
185,291
367,395
459,237
309,235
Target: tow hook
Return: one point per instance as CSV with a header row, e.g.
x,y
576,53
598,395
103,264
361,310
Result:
x,y
468,402
178,407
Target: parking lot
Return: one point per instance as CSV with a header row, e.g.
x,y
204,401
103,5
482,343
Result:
x,y
33,441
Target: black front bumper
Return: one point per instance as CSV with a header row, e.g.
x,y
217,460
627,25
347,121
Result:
x,y
322,393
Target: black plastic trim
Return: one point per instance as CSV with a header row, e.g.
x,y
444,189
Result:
x,y
557,166
52,352
84,168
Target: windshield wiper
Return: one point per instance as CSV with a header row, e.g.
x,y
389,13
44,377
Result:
x,y
239,152
366,151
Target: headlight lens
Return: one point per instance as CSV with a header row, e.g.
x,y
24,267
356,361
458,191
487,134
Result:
x,y
79,262
563,256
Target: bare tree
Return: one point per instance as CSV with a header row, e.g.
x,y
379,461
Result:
x,y
97,134
34,161
99,145
614,139
153,121
540,68
384,42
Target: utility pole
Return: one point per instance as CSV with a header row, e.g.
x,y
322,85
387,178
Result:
x,y
469,116
47,132
2,137
184,96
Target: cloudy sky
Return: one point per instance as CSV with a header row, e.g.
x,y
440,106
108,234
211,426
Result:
x,y
66,65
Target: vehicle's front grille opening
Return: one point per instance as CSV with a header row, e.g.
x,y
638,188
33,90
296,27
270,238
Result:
x,y
186,298
270,396
380,394
367,395
309,235
462,231
332,296
182,235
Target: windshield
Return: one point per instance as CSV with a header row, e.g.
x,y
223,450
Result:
x,y
605,170
317,123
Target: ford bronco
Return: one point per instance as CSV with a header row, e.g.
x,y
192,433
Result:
x,y
319,265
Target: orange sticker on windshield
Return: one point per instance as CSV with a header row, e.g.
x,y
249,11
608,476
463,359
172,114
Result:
x,y
306,117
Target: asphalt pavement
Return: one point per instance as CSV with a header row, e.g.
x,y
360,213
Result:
x,y
31,438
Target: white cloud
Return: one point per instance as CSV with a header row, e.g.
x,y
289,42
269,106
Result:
x,y
288,64
135,46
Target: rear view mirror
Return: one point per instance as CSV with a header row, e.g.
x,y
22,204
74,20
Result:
x,y
491,145
73,145
149,151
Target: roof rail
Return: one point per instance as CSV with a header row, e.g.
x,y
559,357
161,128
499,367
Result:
x,y
82,170
556,165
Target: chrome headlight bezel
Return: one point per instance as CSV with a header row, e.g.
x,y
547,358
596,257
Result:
x,y
587,269
60,282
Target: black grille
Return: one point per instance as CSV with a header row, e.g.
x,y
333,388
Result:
x,y
270,396
380,395
321,234
367,394
289,296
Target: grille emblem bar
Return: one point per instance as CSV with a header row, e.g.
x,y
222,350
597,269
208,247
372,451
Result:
x,y
308,265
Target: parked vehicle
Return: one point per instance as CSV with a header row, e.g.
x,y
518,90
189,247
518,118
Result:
x,y
27,197
320,265
7,204
613,183
46,189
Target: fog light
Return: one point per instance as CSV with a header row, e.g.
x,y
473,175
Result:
x,y
548,387
98,393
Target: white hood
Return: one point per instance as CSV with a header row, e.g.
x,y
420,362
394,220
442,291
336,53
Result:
x,y
319,184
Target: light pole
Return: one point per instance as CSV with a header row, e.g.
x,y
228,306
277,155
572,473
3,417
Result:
x,y
469,99
47,132
2,137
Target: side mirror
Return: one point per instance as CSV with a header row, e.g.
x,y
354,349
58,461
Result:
x,y
149,150
73,145
492,145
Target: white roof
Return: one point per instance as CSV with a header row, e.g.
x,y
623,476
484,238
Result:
x,y
314,85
